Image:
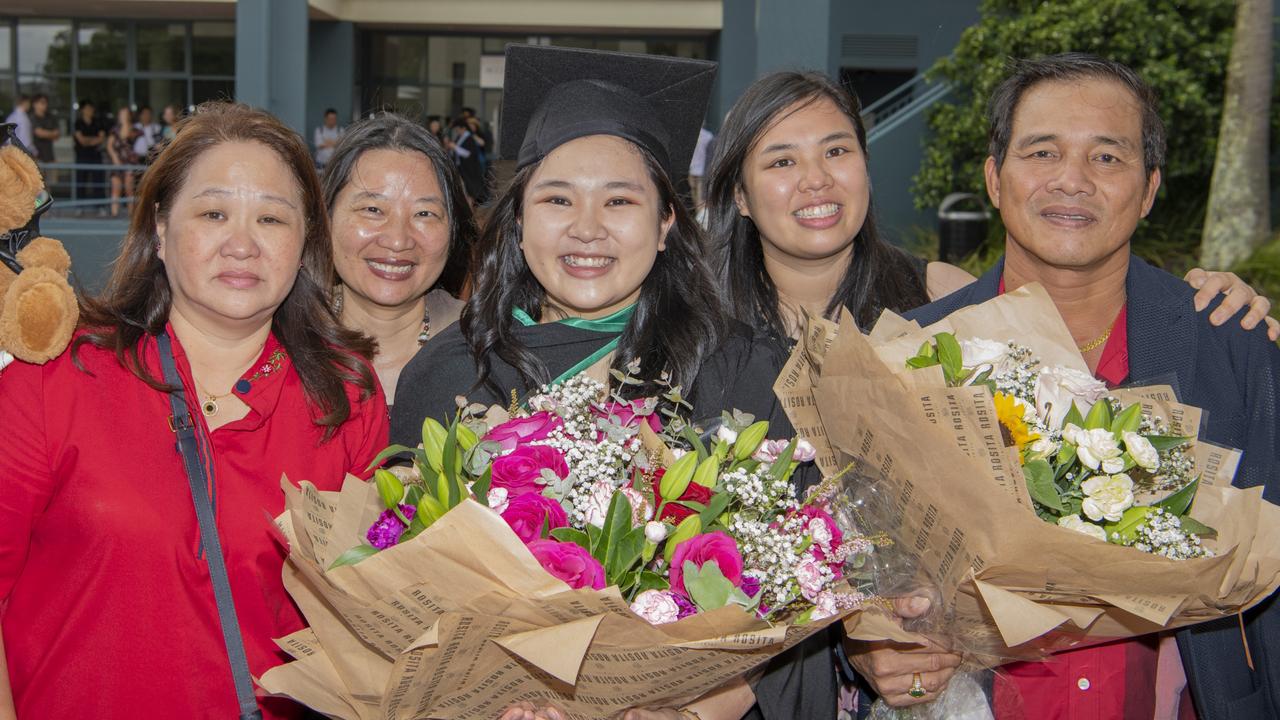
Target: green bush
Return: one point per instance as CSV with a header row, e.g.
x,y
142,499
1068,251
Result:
x,y
1180,48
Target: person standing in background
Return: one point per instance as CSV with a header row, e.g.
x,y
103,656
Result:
x,y
21,116
120,145
327,137
44,128
698,166
148,133
89,137
169,117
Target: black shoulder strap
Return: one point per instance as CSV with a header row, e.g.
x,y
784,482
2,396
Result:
x,y
183,426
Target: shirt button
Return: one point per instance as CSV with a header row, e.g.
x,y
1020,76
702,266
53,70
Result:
x,y
1083,683
242,386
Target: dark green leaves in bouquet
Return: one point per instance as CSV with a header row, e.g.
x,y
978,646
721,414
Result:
x,y
1041,486
354,555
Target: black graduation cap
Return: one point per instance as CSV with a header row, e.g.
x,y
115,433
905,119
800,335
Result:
x,y
552,95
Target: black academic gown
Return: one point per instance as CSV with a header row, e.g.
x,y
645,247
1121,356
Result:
x,y
738,375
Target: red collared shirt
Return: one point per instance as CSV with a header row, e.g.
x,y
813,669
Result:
x,y
110,611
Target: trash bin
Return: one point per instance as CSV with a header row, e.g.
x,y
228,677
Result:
x,y
960,232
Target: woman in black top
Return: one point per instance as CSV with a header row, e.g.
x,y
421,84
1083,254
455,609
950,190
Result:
x,y
589,262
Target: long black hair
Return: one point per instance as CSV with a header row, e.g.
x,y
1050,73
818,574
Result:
x,y
677,321
879,275
389,131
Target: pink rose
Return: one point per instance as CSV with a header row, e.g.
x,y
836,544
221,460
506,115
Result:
x,y
570,562
519,470
528,513
520,430
629,414
701,549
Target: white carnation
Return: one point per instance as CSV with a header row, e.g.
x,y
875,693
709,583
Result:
x,y
1142,451
1095,446
656,606
1106,497
598,497
1074,522
497,499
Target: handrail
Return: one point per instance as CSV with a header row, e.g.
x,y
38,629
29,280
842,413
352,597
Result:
x,y
907,112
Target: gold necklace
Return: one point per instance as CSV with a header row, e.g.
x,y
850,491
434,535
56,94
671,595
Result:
x,y
210,405
1097,343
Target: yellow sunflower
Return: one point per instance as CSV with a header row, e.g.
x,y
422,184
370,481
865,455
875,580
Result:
x,y
1010,410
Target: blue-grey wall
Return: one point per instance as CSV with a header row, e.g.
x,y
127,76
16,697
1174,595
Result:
x,y
895,158
271,57
331,73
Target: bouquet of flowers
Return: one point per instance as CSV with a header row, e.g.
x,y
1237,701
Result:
x,y
1082,451
961,445
641,563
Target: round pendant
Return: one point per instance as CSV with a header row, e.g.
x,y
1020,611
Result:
x,y
209,407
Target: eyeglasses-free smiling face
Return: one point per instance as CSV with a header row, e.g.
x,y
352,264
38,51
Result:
x,y
1072,187
592,226
805,185
390,228
232,241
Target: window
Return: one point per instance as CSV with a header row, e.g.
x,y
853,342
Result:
x,y
44,46
162,47
102,45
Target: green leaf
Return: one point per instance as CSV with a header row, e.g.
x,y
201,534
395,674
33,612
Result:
x,y
1099,416
921,362
1073,416
1040,484
395,450
1167,442
1179,502
718,503
649,580
412,495
573,535
707,586
480,488
694,441
1126,528
1195,527
617,521
1129,420
626,553
951,357
782,466
354,555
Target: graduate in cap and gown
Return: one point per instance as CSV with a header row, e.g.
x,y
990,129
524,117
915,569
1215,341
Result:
x,y
590,262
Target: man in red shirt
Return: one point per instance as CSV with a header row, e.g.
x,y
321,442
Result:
x,y
1076,146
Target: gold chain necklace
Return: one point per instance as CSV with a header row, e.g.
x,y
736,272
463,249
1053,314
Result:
x,y
209,407
1095,344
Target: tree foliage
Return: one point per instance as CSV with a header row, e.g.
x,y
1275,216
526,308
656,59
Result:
x,y
1179,47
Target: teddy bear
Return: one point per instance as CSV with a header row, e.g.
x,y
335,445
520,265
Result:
x,y
38,308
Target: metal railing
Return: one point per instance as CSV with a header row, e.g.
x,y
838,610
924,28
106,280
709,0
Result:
x,y
902,104
85,188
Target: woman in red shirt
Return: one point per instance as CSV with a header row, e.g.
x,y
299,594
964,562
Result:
x,y
108,606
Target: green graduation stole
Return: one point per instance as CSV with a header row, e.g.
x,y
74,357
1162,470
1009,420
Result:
x,y
614,323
